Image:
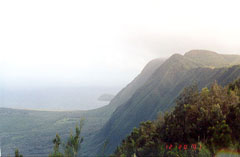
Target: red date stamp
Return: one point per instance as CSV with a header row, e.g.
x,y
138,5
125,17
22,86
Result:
x,y
183,146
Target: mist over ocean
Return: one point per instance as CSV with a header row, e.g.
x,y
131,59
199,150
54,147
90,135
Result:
x,y
55,98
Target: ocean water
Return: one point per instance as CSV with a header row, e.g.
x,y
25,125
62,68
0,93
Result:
x,y
55,98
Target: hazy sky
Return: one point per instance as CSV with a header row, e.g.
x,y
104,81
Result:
x,y
106,42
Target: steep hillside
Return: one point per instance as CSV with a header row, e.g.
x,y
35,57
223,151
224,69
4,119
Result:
x,y
159,92
207,117
153,91
33,131
130,89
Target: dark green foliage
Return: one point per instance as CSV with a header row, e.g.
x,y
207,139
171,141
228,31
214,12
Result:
x,y
204,118
143,141
73,145
56,151
219,137
209,117
17,154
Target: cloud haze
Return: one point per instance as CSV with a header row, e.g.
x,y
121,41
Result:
x,y
106,42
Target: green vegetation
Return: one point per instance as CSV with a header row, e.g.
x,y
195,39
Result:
x,y
71,148
152,92
17,154
159,92
209,118
32,131
202,123
73,145
56,151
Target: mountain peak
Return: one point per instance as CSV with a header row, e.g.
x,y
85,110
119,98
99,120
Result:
x,y
200,52
207,58
176,56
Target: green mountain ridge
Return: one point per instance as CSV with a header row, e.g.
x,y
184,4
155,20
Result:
x,y
152,92
159,92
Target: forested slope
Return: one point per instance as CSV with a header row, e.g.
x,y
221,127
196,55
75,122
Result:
x,y
161,89
203,123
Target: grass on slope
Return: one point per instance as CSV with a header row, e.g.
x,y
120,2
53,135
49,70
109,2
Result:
x,y
33,131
